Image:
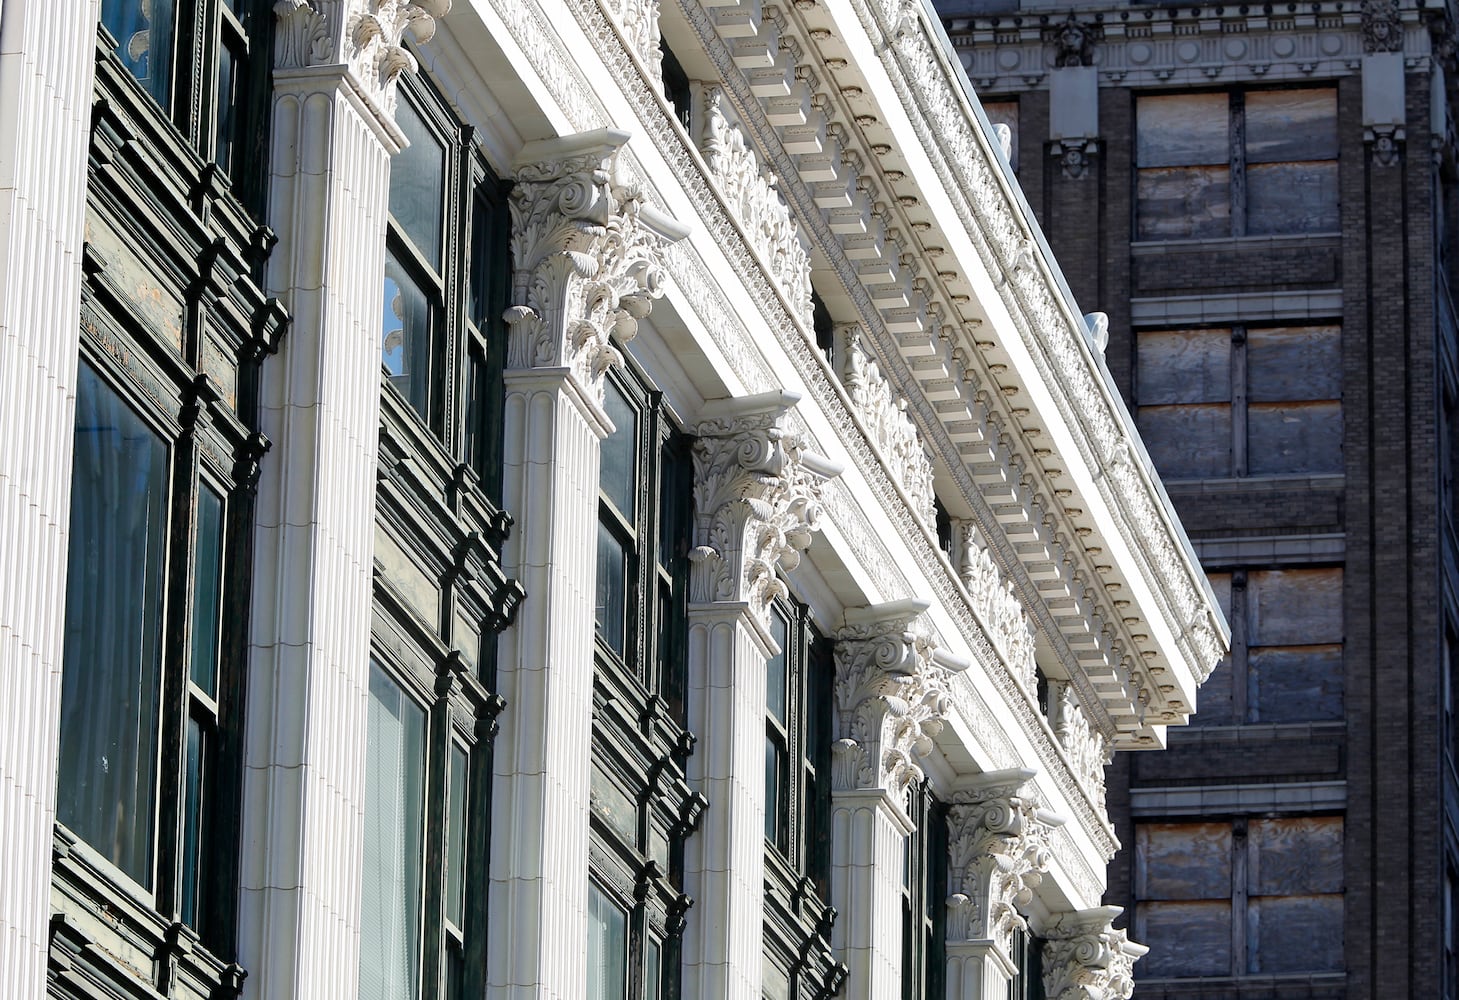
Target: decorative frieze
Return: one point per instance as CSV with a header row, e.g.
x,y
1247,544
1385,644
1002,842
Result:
x,y
891,698
366,35
995,601
998,853
757,500
1088,750
586,249
638,20
753,199
1087,959
887,422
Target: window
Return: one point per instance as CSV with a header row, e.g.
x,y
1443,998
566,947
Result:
x,y
1240,897
1246,163
1236,401
1027,982
447,270
924,897
1286,648
216,101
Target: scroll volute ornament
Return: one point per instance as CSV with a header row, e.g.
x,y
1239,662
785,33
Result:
x,y
1085,958
587,254
998,853
891,698
757,500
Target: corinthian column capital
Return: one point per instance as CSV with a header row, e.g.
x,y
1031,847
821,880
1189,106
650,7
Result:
x,y
998,852
1087,959
757,500
586,249
368,36
891,697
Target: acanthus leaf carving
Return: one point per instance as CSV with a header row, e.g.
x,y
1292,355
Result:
x,y
1085,958
638,20
995,601
366,35
751,193
890,426
891,699
998,852
1086,747
757,501
586,251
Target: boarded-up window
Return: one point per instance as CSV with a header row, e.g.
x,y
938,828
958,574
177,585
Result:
x,y
1294,631
1232,164
1005,113
1223,401
1213,703
1283,877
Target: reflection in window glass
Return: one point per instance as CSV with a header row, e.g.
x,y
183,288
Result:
x,y
612,586
390,920
456,839
207,591
227,123
408,334
193,848
106,788
619,471
418,184
144,30
607,947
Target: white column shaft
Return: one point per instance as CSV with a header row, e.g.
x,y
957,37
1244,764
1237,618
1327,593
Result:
x,y
867,849
310,620
724,861
977,970
46,73
540,792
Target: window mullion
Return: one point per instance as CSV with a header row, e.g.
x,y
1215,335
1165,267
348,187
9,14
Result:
x,y
1239,639
1238,164
1239,900
1239,437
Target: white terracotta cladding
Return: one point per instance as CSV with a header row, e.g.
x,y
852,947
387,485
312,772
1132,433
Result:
x,y
540,791
310,626
46,68
868,834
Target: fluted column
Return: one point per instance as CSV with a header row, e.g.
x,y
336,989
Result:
x,y
998,853
586,267
46,69
891,699
756,494
333,133
1087,959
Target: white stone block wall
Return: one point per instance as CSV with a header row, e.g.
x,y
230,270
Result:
x,y
46,71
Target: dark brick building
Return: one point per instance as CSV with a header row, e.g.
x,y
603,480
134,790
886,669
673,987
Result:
x,y
1261,198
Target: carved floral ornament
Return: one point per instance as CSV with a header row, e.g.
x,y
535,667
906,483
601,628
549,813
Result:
x,y
1087,959
757,500
891,698
998,853
366,35
587,256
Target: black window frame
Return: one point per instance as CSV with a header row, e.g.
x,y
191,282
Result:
x,y
924,895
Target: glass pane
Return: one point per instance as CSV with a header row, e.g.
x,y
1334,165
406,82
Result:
x,y
456,839
105,791
618,475
652,968
776,826
1184,366
1295,934
607,947
612,587
490,265
1295,683
775,680
193,851
477,429
1176,203
1189,441
207,591
1291,198
144,31
1182,130
418,183
227,105
409,334
1294,363
1185,939
1291,125
390,920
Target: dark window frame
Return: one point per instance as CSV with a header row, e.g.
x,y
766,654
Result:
x,y
924,896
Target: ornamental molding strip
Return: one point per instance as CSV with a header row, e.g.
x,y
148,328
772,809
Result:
x,y
368,36
891,698
586,250
638,23
884,414
1088,750
1087,959
998,852
757,501
753,198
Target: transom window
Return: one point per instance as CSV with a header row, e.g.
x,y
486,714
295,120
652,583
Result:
x,y
1217,402
1244,163
447,269
1240,897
